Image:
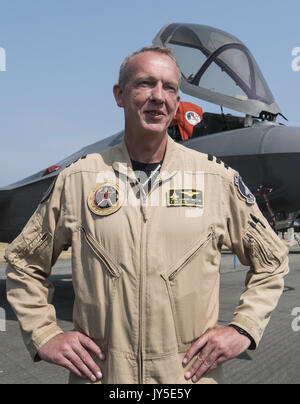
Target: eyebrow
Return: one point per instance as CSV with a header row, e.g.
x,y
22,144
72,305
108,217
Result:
x,y
153,79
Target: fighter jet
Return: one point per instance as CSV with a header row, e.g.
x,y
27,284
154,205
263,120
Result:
x,y
218,68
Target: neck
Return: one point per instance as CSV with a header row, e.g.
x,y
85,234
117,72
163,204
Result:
x,y
147,150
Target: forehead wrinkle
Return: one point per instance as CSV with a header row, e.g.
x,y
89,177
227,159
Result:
x,y
132,68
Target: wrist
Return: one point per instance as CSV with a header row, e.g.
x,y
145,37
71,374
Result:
x,y
244,333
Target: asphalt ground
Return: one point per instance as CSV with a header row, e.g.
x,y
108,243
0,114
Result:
x,y
276,361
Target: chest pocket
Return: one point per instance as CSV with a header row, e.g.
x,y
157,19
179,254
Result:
x,y
100,252
193,288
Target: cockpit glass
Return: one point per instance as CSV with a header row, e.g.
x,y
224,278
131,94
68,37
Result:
x,y
237,61
216,80
189,59
218,62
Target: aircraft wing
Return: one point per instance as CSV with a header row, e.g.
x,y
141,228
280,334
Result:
x,y
18,201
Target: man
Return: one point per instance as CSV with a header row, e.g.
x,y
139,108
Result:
x,y
146,254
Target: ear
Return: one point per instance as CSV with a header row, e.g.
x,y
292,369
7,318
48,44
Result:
x,y
118,93
178,102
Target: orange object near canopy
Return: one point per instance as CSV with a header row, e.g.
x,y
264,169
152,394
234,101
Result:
x,y
187,117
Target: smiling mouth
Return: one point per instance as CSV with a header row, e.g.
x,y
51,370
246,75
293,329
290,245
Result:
x,y
155,113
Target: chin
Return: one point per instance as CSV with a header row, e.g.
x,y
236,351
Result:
x,y
155,133
155,130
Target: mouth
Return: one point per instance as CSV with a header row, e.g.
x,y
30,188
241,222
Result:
x,y
155,113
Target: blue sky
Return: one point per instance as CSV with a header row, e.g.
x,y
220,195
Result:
x,y
63,57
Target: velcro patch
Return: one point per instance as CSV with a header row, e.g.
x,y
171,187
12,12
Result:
x,y
105,199
185,197
244,190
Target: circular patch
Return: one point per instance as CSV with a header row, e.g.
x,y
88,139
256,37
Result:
x,y
193,118
105,199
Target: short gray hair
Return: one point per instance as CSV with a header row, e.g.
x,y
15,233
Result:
x,y
123,75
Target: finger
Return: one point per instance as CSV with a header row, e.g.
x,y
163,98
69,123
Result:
x,y
221,360
214,366
69,365
195,348
88,361
204,371
90,344
80,365
203,360
204,368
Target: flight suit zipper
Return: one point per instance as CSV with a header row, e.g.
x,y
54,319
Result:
x,y
141,291
101,254
259,251
145,217
173,275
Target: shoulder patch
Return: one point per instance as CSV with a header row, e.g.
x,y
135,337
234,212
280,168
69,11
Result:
x,y
244,190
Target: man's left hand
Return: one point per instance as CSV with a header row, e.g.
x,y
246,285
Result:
x,y
216,346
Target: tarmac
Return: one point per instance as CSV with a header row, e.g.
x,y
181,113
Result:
x,y
276,361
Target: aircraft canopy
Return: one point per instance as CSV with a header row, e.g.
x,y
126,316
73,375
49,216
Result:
x,y
218,68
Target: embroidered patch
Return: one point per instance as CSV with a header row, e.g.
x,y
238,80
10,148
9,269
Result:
x,y
193,118
105,199
185,197
244,190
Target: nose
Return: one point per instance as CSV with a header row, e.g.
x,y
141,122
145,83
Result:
x,y
157,94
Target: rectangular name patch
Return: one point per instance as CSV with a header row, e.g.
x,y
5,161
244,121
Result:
x,y
185,197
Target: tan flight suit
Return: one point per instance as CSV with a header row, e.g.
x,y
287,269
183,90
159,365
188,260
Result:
x,y
145,269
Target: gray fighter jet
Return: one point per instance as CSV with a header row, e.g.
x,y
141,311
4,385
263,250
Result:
x,y
218,68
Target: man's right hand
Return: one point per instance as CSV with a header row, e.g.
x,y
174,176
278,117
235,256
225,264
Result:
x,y
70,350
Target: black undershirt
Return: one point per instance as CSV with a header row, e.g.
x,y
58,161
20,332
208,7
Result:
x,y
148,169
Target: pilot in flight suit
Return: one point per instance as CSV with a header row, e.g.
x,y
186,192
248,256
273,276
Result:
x,y
145,266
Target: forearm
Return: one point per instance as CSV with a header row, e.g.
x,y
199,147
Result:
x,y
30,294
263,291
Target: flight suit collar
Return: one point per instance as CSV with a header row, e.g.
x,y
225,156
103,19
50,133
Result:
x,y
123,164
171,164
172,161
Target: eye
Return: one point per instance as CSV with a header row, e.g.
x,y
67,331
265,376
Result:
x,y
145,83
171,88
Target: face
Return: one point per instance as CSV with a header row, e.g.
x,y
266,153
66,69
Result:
x,y
150,95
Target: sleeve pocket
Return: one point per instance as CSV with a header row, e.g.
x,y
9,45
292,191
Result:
x,y
266,250
30,243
